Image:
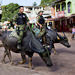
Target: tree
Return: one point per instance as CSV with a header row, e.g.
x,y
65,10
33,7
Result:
x,y
8,11
34,4
46,2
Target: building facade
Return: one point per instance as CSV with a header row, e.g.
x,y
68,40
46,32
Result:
x,y
64,14
0,12
32,12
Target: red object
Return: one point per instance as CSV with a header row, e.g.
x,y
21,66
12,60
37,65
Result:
x,y
60,14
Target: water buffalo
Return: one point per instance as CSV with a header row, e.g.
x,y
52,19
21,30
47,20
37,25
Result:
x,y
53,37
30,45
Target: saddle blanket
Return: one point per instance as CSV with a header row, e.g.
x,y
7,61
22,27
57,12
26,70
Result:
x,y
36,31
14,34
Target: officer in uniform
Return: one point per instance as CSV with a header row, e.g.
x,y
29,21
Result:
x,y
41,25
20,20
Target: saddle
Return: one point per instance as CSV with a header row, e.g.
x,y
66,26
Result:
x,y
38,33
14,34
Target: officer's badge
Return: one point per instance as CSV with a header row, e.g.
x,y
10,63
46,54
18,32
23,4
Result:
x,y
24,16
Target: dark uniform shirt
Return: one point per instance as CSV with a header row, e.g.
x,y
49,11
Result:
x,y
41,20
20,19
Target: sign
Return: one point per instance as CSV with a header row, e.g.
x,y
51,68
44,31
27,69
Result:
x,y
53,12
60,14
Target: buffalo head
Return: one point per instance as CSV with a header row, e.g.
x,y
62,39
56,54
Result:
x,y
64,41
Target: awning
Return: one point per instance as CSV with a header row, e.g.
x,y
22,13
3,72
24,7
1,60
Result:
x,y
45,16
56,19
73,15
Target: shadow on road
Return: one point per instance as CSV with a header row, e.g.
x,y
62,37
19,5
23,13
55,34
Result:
x,y
59,51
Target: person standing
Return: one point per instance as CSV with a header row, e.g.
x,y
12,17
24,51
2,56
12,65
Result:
x,y
73,32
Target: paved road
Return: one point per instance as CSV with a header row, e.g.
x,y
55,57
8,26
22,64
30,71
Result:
x,y
64,63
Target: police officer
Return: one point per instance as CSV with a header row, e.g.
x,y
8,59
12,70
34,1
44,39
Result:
x,y
20,20
40,20
41,25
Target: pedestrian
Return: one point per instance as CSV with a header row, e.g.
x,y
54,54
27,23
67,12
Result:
x,y
73,32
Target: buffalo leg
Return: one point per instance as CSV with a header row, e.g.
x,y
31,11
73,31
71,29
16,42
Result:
x,y
30,62
4,56
54,50
23,56
46,58
50,42
9,56
7,53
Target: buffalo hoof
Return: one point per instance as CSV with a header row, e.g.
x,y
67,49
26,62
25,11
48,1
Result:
x,y
31,67
3,62
22,62
11,63
49,65
55,53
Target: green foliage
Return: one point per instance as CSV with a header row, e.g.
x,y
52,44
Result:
x,y
8,11
34,4
46,2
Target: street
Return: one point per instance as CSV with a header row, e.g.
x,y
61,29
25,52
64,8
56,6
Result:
x,y
64,62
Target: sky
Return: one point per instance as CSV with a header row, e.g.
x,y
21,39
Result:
x,y
20,2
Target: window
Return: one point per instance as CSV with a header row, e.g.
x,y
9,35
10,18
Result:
x,y
63,6
69,7
58,7
30,8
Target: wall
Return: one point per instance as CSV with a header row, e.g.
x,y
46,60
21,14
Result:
x,y
66,11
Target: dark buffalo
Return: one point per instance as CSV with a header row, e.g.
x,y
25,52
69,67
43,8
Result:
x,y
53,37
30,45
